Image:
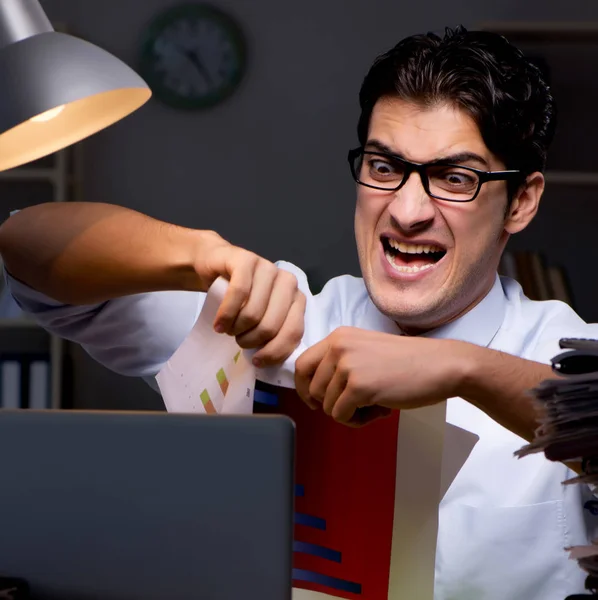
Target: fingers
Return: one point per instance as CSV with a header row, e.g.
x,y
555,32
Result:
x,y
348,403
320,382
334,389
260,297
323,376
282,344
350,407
263,308
238,292
305,368
272,297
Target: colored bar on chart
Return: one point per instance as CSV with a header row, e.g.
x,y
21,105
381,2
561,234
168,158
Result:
x,y
207,402
222,381
332,582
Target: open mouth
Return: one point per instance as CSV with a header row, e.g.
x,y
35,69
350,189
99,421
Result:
x,y
411,258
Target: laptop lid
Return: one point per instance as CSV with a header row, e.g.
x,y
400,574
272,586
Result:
x,y
144,506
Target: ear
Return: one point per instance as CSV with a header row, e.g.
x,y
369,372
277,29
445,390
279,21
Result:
x,y
525,204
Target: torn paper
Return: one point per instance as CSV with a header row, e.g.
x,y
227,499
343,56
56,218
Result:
x,y
210,373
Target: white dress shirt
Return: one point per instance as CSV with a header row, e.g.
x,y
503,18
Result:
x,y
503,523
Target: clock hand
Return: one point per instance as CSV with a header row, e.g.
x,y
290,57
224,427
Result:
x,y
201,68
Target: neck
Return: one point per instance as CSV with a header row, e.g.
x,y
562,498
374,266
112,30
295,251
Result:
x,y
414,330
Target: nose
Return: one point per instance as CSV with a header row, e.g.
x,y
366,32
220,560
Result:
x,y
411,208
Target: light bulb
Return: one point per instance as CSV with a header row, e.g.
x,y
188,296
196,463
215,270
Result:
x,y
48,115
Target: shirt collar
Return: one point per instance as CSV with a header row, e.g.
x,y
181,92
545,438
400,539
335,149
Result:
x,y
480,324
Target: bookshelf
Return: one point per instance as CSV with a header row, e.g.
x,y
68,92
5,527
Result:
x,y
55,178
540,279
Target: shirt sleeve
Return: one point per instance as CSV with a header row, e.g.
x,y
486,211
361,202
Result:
x,y
133,335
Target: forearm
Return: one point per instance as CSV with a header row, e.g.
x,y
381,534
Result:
x,y
83,253
500,384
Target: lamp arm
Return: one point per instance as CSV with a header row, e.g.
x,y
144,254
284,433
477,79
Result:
x,y
20,19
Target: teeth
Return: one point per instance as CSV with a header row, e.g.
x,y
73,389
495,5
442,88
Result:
x,y
413,248
405,269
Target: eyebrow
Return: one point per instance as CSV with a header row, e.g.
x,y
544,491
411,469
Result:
x,y
459,158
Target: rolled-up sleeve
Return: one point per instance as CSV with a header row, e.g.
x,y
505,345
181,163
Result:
x,y
133,335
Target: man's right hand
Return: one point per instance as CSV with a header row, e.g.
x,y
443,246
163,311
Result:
x,y
263,307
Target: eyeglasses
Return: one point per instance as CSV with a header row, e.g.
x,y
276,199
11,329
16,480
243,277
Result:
x,y
443,181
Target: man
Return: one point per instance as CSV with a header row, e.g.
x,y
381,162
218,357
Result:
x,y
453,138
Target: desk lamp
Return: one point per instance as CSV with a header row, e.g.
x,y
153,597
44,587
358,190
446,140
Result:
x,y
55,89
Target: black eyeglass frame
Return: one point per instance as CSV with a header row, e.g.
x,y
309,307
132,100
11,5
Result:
x,y
420,168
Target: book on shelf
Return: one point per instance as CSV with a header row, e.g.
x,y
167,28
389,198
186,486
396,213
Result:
x,y
25,381
539,279
25,377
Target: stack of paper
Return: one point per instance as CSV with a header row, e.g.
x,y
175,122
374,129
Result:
x,y
568,431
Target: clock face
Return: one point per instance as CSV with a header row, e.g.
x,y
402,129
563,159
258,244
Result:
x,y
193,56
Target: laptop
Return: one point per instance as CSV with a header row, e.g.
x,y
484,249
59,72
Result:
x,y
147,506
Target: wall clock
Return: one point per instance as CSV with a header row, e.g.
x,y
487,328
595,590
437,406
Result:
x,y
193,56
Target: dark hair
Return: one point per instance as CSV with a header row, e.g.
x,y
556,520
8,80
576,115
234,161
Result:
x,y
479,72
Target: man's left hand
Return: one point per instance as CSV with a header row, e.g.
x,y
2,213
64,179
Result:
x,y
359,375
